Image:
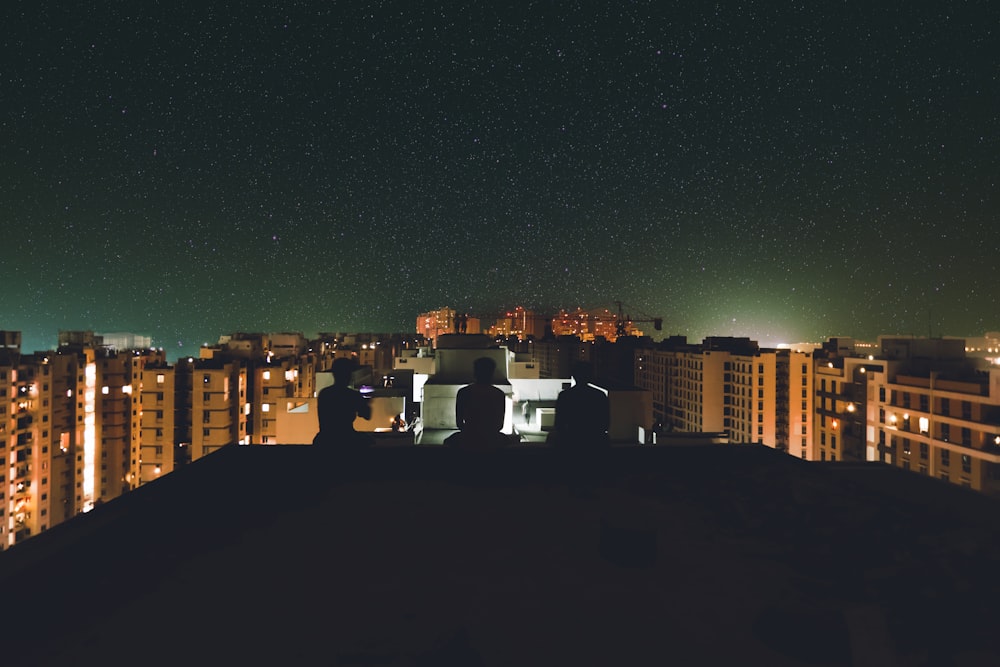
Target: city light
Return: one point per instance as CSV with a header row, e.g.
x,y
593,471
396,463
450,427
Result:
x,y
89,436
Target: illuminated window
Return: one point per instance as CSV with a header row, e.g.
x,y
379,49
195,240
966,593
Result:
x,y
267,375
105,390
160,378
265,407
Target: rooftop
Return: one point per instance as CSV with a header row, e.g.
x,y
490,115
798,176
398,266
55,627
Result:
x,y
425,556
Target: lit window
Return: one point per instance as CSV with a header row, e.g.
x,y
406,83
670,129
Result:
x,y
267,375
160,378
265,407
105,390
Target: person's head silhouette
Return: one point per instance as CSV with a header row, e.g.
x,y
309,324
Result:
x,y
482,370
342,370
582,372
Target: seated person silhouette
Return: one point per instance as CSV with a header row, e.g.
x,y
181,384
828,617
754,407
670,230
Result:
x,y
580,434
582,415
479,411
337,407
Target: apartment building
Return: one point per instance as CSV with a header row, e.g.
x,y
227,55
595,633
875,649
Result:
x,y
69,430
730,385
519,323
554,358
591,324
938,412
161,428
844,406
435,323
921,404
219,406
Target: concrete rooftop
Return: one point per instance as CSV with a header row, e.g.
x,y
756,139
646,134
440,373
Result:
x,y
423,556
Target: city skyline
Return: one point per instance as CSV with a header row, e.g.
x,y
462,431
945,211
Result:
x,y
782,174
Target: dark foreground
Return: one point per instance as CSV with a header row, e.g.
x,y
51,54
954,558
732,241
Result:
x,y
423,556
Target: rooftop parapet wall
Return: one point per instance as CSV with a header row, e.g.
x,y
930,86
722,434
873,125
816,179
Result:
x,y
788,562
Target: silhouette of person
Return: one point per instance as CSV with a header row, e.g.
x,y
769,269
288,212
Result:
x,y
479,410
337,407
582,414
580,434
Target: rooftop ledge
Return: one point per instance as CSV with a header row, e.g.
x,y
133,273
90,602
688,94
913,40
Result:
x,y
429,556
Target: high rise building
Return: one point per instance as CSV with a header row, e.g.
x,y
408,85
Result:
x,y
591,324
161,432
920,404
49,435
435,323
730,385
554,358
219,406
518,323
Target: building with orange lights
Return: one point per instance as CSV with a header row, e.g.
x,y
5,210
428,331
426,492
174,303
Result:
x,y
920,404
754,395
518,323
591,324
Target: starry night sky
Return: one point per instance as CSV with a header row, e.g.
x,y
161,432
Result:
x,y
188,169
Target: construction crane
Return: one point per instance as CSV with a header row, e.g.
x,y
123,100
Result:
x,y
620,324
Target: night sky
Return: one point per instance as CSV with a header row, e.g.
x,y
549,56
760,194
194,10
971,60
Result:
x,y
188,169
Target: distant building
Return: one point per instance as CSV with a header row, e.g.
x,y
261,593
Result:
x,y
219,407
518,323
986,347
69,428
920,404
125,341
435,323
118,411
555,358
161,431
591,324
732,386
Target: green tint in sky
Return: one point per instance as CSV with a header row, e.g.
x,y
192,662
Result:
x,y
778,170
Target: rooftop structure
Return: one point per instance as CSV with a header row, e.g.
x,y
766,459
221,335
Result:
x,y
427,556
